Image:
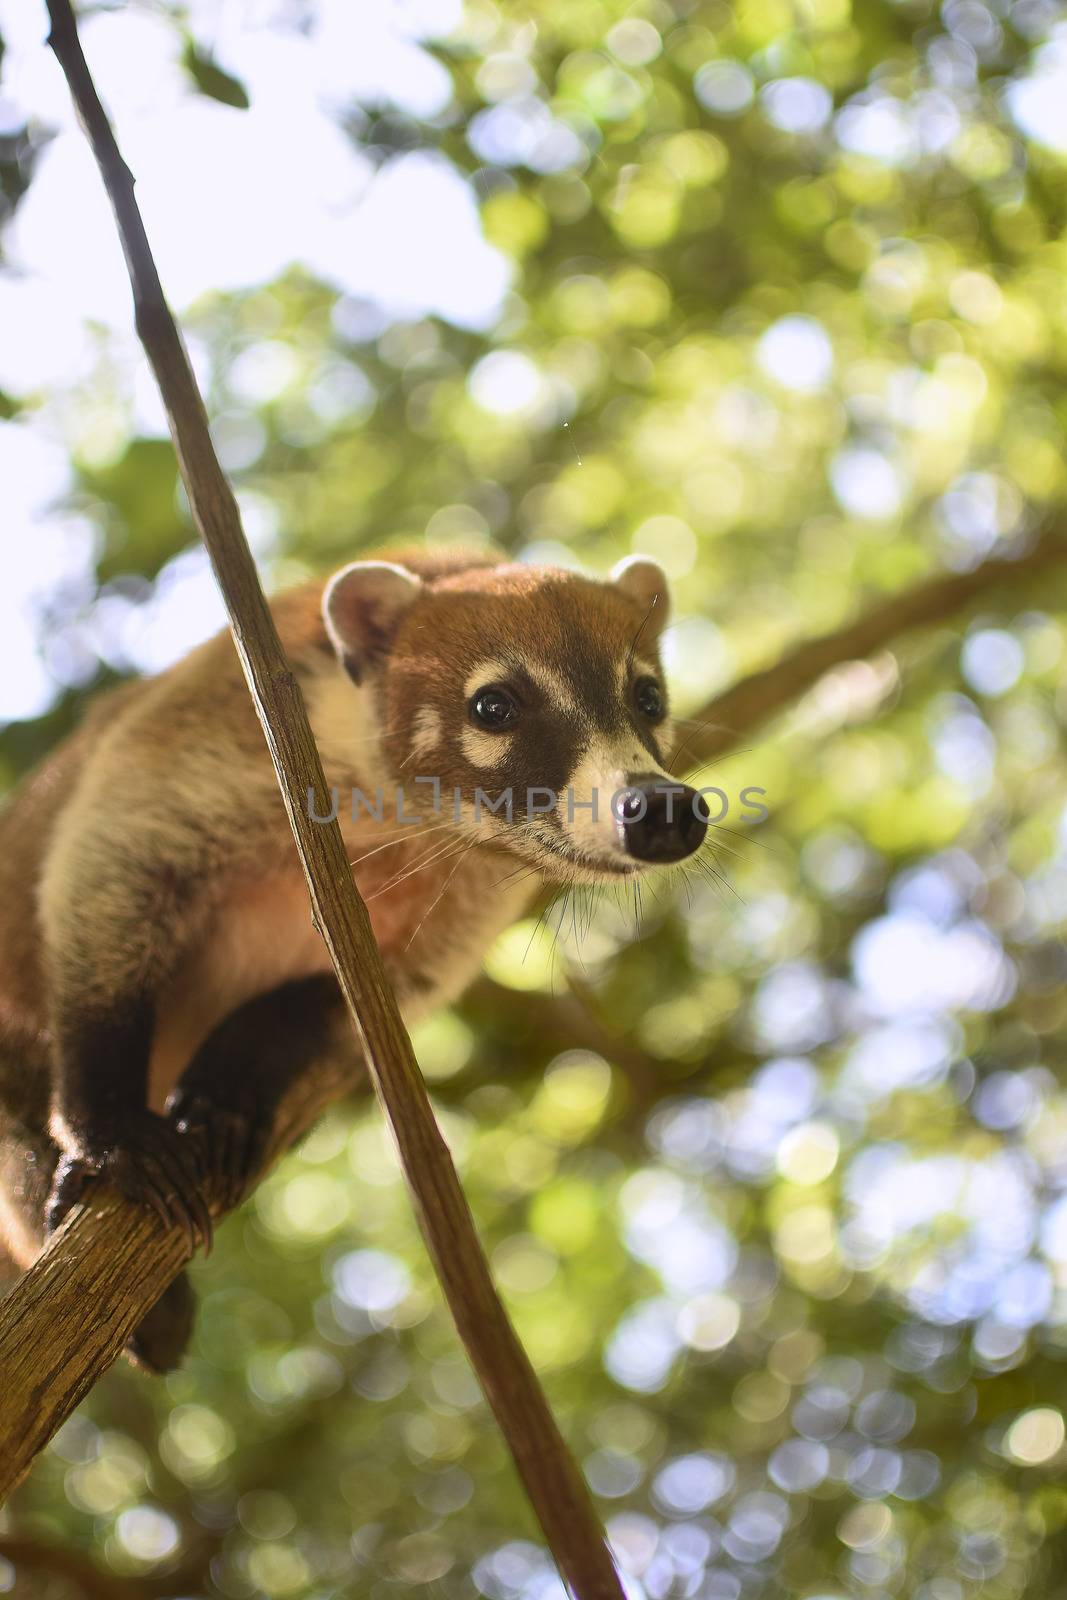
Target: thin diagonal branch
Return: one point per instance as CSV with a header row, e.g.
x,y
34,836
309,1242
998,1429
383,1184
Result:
x,y
555,1487
733,715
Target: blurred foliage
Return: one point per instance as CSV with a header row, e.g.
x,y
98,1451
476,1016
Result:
x,y
772,1167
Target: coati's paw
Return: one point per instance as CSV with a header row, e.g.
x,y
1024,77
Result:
x,y
151,1161
233,1138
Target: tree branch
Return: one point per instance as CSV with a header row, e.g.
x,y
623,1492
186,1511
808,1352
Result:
x,y
67,1318
734,714
88,1580
78,1283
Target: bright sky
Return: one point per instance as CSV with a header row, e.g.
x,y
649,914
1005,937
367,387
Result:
x,y
230,199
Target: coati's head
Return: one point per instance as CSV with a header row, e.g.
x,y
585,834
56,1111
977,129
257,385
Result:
x,y
534,695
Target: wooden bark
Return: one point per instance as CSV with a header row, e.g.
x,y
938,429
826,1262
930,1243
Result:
x,y
67,1318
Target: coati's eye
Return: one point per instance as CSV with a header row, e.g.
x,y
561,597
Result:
x,y
493,707
648,698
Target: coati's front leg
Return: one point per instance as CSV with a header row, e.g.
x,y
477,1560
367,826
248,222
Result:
x,y
28,1160
101,1119
227,1100
124,891
228,1097
226,1104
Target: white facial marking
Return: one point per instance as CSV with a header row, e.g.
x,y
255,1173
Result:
x,y
491,670
630,672
344,722
485,750
425,731
555,687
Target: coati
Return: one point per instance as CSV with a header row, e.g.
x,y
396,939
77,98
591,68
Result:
x,y
160,978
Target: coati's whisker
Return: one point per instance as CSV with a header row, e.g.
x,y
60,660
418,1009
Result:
x,y
710,872
597,891
411,755
713,846
439,896
676,755
410,868
523,870
399,838
631,653
747,837
446,853
702,722
576,934
543,918
567,902
437,853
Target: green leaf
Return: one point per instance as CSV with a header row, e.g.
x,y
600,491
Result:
x,y
211,80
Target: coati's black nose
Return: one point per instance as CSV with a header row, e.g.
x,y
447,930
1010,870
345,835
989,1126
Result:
x,y
662,821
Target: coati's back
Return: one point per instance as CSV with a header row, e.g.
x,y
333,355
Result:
x,y
27,821
28,818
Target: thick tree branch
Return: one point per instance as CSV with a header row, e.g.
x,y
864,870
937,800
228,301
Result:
x,y
734,715
66,1319
77,1282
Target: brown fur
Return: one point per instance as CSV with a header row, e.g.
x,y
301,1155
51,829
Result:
x,y
150,855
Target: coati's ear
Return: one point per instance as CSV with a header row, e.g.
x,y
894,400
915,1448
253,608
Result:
x,y
362,606
645,582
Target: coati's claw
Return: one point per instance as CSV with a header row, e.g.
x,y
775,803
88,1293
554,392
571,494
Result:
x,y
205,1222
68,1187
152,1163
233,1140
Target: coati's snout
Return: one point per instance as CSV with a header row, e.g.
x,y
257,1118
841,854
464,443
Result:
x,y
662,821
